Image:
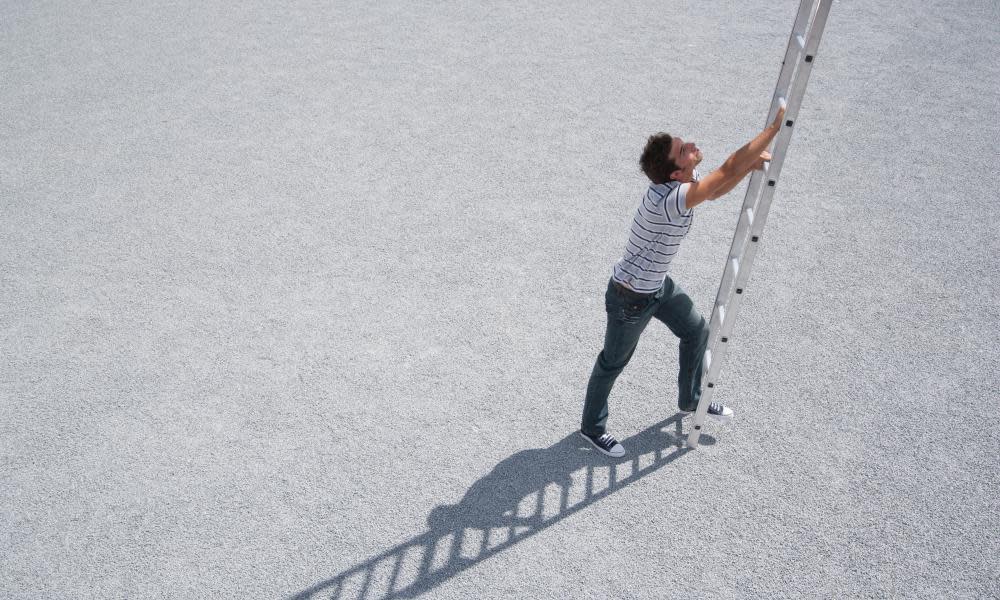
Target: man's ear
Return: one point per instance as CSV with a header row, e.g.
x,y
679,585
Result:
x,y
676,175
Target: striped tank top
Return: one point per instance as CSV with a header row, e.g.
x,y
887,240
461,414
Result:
x,y
661,222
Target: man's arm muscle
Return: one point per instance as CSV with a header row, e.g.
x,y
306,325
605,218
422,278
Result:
x,y
736,167
732,182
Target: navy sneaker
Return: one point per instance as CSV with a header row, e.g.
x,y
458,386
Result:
x,y
606,443
716,411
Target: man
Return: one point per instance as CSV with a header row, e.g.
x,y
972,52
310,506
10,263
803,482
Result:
x,y
640,287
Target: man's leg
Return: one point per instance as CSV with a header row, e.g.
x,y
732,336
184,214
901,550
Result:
x,y
627,317
677,312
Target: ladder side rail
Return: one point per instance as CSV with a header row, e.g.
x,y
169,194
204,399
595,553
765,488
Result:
x,y
744,231
800,30
730,301
818,25
734,304
809,33
725,295
743,228
745,248
788,65
806,10
795,75
721,348
797,93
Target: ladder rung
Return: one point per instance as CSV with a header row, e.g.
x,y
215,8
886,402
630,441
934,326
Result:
x,y
708,360
766,166
719,318
735,262
801,41
749,214
783,103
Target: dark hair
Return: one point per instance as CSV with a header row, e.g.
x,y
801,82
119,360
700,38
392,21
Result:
x,y
655,160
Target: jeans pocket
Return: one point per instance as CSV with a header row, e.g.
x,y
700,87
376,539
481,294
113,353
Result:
x,y
632,309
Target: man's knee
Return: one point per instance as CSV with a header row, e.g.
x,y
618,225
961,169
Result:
x,y
699,335
612,365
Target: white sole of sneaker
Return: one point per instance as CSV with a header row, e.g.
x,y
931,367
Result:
x,y
599,449
724,419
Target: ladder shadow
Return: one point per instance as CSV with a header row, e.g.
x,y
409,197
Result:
x,y
523,495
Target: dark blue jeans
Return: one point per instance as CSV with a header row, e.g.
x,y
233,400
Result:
x,y
628,315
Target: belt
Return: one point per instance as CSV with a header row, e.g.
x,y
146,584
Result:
x,y
624,291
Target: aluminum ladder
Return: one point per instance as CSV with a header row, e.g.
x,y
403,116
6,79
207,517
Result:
x,y
795,69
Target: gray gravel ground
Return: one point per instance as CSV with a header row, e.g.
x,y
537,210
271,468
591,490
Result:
x,y
300,299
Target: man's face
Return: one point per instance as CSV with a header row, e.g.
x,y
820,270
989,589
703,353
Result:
x,y
686,155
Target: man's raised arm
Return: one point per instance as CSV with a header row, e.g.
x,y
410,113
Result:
x,y
736,167
733,181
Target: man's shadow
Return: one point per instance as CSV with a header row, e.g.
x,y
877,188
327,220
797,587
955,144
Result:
x,y
523,495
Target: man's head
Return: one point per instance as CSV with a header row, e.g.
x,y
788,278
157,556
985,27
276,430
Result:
x,y
667,158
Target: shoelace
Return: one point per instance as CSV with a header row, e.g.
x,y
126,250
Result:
x,y
607,440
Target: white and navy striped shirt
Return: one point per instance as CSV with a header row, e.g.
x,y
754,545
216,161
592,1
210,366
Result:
x,y
661,222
